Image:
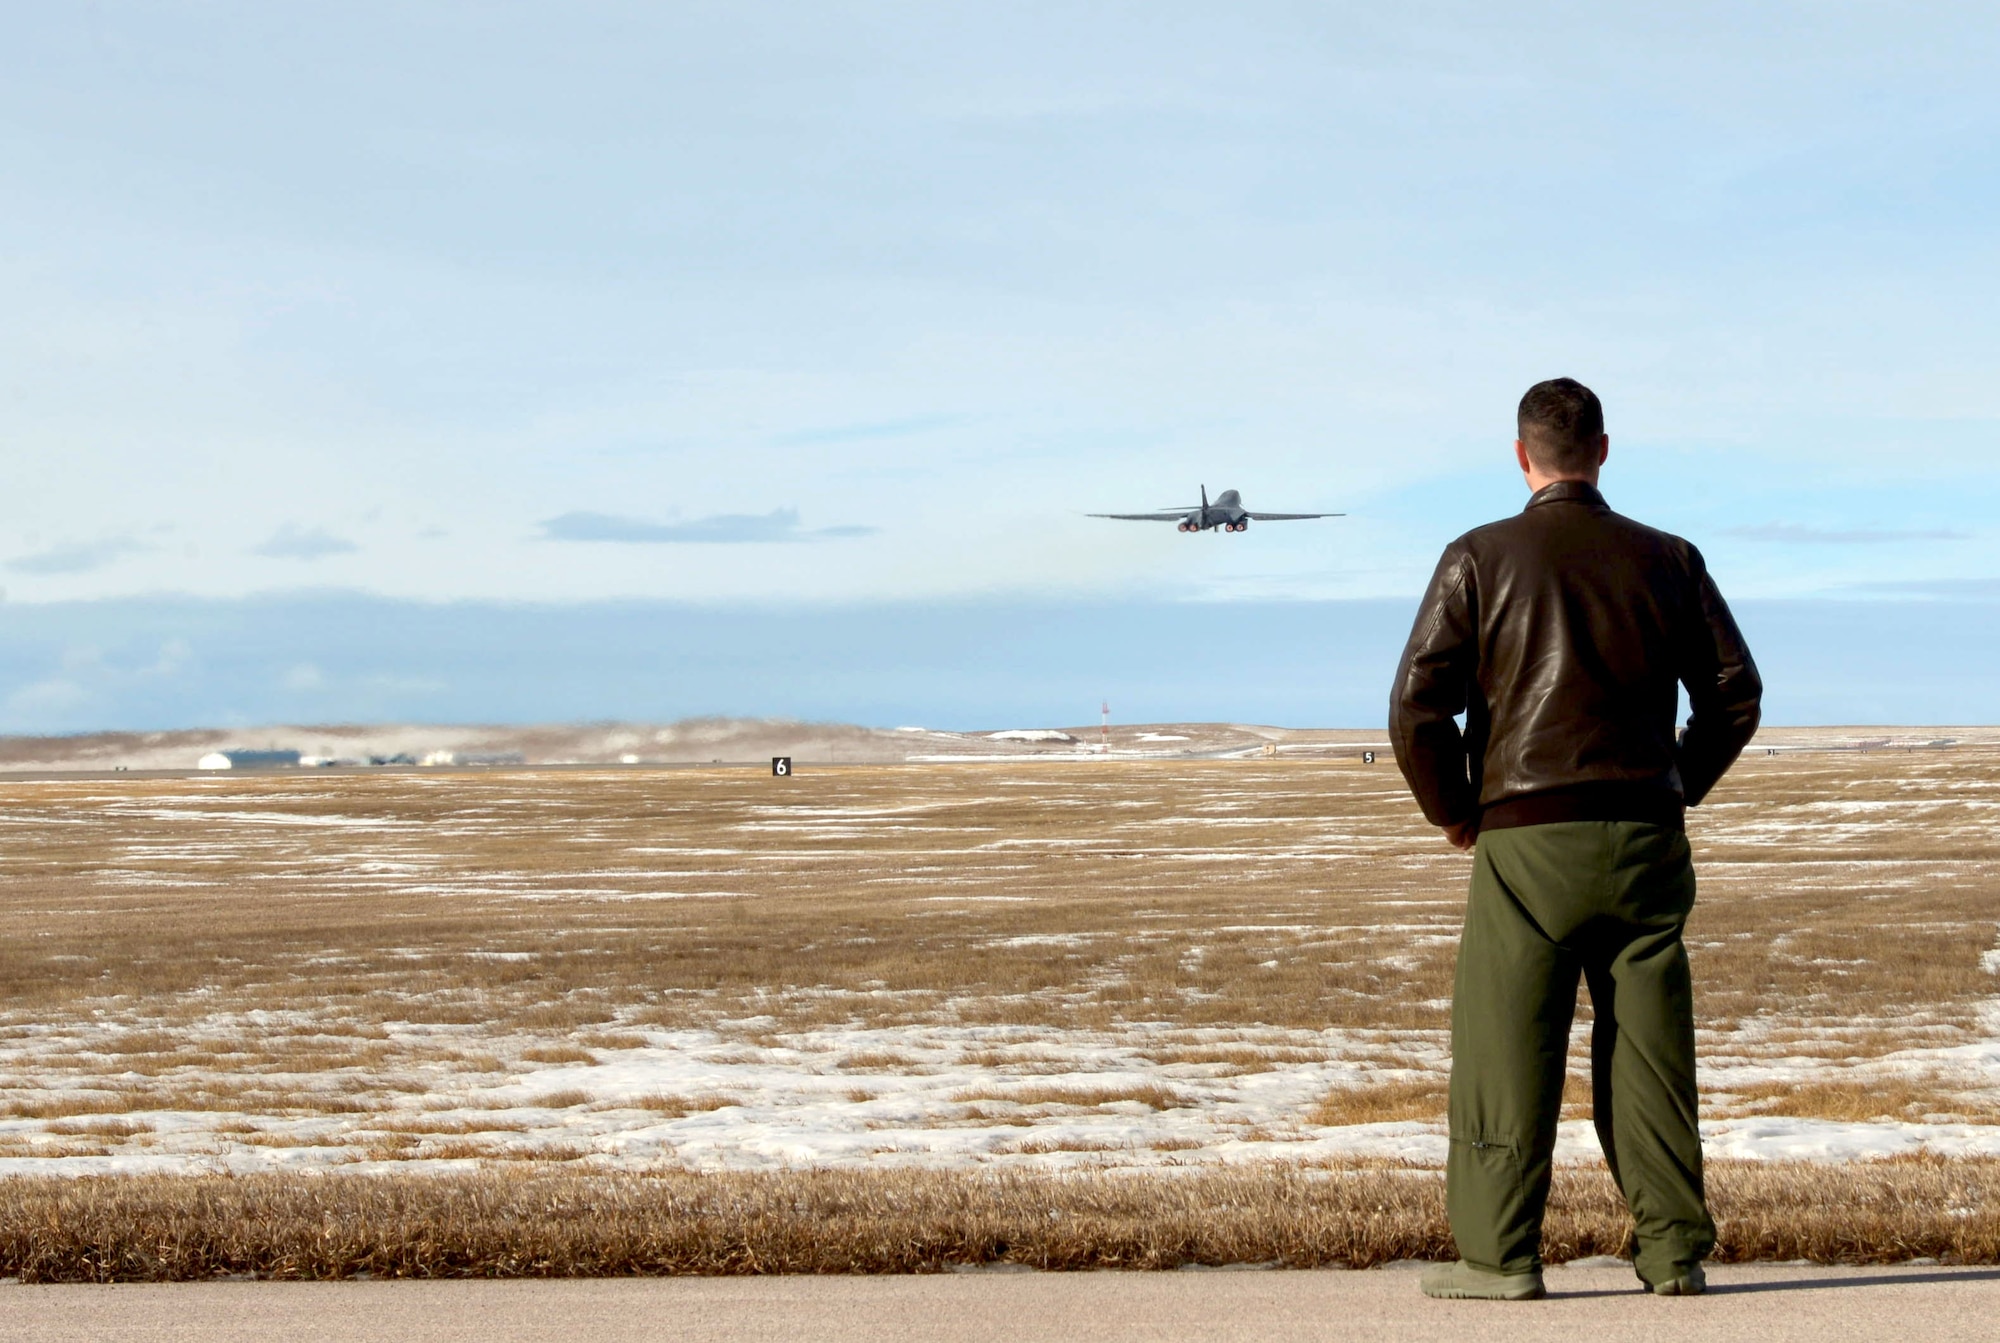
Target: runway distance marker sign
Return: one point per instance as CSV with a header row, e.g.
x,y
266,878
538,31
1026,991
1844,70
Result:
x,y
781,767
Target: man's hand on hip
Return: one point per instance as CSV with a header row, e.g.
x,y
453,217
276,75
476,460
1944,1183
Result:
x,y
1463,835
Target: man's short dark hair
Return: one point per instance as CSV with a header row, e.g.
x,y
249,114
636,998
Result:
x,y
1561,421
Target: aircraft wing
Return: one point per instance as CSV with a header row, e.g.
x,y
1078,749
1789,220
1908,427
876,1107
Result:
x,y
1289,517
1144,517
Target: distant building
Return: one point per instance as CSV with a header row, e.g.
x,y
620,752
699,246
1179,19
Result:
x,y
248,760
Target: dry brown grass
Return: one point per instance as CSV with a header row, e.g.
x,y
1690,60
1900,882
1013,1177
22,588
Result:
x,y
1020,1062
279,1138
101,1128
1066,1143
1228,906
859,896
1421,1098
459,1151
1895,1098
1859,1099
440,1125
529,1224
62,1105
1150,1095
679,1107
1296,894
1231,1060
476,1063
877,1061
553,1152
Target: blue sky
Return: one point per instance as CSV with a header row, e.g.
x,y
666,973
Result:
x,y
782,308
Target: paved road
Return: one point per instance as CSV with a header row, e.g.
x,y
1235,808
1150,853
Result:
x,y
1763,1304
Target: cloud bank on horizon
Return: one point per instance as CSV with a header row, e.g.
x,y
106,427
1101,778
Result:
x,y
153,662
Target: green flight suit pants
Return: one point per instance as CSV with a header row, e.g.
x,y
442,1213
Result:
x,y
1604,901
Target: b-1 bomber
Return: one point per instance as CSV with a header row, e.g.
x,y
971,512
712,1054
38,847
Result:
x,y
1226,514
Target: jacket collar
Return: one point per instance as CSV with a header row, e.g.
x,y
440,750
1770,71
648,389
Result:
x,y
1567,491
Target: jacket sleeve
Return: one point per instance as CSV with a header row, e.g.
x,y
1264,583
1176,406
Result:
x,y
1433,684
1725,694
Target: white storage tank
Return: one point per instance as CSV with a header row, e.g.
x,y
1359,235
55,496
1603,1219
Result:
x,y
270,759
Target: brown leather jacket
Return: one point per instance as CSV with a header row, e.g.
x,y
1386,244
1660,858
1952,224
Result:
x,y
1560,634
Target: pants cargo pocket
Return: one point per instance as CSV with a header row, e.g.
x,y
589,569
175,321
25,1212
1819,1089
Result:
x,y
1487,1198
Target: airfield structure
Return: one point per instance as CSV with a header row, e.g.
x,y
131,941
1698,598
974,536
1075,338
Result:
x,y
266,759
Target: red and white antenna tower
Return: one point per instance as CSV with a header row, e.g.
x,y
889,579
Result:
x,y
1104,742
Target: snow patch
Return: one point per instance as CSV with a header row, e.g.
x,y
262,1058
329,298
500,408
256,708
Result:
x,y
939,1096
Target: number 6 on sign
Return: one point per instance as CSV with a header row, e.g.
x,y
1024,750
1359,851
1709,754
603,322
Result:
x,y
781,766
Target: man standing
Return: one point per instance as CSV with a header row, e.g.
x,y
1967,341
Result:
x,y
1560,634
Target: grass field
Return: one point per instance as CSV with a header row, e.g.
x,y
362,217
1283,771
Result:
x,y
1023,964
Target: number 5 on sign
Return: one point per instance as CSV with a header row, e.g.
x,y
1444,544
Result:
x,y
1367,757
781,766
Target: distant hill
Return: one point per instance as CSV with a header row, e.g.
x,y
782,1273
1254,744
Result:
x,y
699,740
688,741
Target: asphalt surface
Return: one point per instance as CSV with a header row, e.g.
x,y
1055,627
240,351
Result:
x,y
1766,1303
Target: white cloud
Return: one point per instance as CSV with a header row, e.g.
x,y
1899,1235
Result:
x,y
77,557
292,542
